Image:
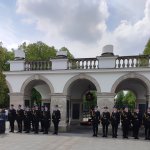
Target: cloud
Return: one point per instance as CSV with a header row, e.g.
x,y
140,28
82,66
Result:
x,y
130,38
85,26
77,20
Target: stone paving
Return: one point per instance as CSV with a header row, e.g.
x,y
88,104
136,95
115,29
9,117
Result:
x,y
68,141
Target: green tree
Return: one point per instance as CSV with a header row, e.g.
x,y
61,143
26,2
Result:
x,y
147,48
69,55
144,61
129,100
35,97
119,100
38,51
4,56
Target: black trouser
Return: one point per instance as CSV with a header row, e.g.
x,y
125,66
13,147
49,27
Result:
x,y
125,129
12,125
147,132
46,126
19,122
105,129
95,129
55,126
36,126
136,131
27,125
42,125
114,130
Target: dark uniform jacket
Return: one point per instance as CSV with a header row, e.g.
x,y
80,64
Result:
x,y
136,119
11,114
105,118
20,114
115,118
95,116
126,118
146,119
56,116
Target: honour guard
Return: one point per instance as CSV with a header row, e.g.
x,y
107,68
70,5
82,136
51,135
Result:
x,y
46,120
27,120
115,120
20,118
95,116
136,122
56,116
42,119
146,121
11,117
125,120
36,119
105,118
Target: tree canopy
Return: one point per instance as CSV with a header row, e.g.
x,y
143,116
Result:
x,y
125,99
147,48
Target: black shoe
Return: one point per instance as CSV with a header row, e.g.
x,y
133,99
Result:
x,y
27,132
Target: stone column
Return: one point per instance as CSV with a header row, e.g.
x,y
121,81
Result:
x,y
105,99
60,100
147,100
16,99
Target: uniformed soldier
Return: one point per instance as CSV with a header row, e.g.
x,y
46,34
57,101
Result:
x,y
146,121
125,120
56,116
95,116
46,120
36,119
11,117
105,119
32,118
115,120
136,122
27,119
42,119
19,118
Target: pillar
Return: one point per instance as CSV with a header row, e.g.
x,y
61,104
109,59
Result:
x,y
16,99
147,101
105,99
60,100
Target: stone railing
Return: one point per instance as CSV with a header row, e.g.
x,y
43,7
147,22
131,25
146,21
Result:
x,y
92,63
83,63
37,65
133,61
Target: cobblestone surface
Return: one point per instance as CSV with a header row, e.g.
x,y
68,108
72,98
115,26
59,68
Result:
x,y
68,141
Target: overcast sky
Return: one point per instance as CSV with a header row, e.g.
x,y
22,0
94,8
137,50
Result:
x,y
83,26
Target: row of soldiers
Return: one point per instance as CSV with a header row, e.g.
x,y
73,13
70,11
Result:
x,y
30,118
136,119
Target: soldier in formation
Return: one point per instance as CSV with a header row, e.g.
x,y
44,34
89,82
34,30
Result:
x,y
115,120
19,118
125,120
95,116
105,119
146,121
136,122
56,116
12,117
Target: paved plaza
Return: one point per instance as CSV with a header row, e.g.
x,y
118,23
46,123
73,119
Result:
x,y
68,141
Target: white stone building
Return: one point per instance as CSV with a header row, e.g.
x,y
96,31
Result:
x,y
64,82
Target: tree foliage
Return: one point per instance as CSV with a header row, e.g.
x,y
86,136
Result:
x,y
147,48
125,99
35,97
38,51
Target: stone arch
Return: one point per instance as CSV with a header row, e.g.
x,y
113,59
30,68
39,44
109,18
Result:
x,y
37,77
81,76
131,75
9,87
